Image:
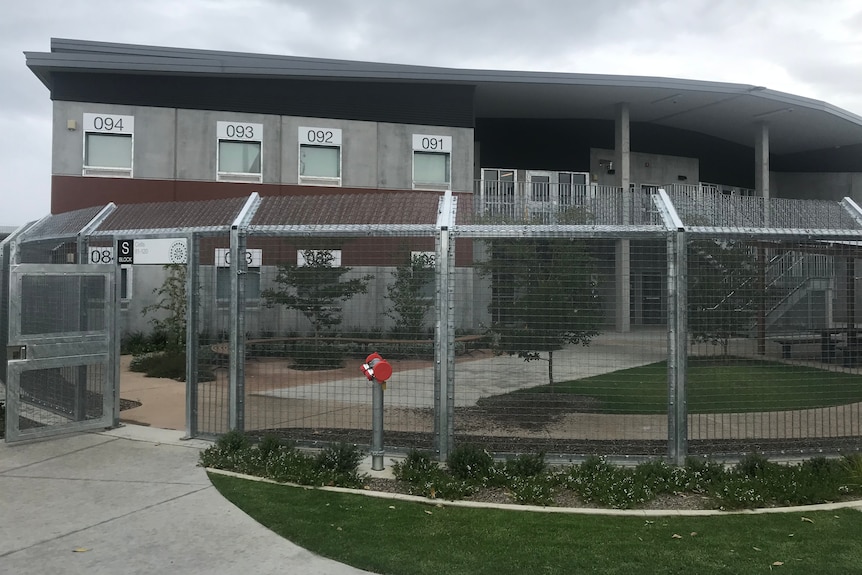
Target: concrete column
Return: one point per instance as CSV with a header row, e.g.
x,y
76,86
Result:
x,y
622,156
761,167
622,165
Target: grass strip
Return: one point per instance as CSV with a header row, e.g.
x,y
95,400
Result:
x,y
716,387
401,538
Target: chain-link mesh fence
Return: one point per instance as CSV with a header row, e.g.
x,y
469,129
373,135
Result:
x,y
312,309
647,324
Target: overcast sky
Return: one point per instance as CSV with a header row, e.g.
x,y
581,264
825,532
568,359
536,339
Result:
x,y
804,47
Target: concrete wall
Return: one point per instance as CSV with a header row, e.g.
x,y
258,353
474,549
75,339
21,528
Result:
x,y
144,280
654,169
181,144
365,312
154,144
816,186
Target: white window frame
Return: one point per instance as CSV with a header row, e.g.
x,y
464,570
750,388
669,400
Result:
x,y
253,259
117,125
432,144
336,257
311,136
575,197
239,132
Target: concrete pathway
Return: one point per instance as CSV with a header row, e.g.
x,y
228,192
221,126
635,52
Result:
x,y
130,500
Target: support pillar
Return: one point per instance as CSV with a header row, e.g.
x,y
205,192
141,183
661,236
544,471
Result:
x,y
761,168
622,166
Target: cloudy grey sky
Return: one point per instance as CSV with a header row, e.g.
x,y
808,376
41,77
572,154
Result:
x,y
811,48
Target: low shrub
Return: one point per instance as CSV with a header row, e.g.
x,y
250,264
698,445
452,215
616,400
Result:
x,y
532,489
270,458
753,482
338,465
470,463
172,364
599,483
418,466
316,355
852,466
425,477
526,465
139,343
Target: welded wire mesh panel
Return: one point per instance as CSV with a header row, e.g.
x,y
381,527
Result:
x,y
214,316
702,205
58,395
773,363
315,308
553,373
48,252
58,373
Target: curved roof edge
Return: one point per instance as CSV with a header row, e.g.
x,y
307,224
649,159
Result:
x,y
824,124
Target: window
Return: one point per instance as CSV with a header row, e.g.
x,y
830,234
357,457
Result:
x,y
239,152
108,145
540,186
253,258
574,188
319,156
423,266
432,162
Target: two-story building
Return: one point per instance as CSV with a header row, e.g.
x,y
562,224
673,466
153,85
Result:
x,y
134,124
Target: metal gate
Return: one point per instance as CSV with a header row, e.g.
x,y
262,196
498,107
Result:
x,y
61,361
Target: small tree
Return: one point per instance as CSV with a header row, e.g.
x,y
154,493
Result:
x,y
723,291
544,297
408,294
171,299
315,290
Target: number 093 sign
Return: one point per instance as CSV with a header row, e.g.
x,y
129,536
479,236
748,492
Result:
x,y
253,257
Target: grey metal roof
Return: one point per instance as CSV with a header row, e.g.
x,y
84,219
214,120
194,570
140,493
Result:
x,y
725,110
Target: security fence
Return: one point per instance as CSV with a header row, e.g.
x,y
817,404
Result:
x,y
648,324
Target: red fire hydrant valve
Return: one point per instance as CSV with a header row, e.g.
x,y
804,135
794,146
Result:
x,y
376,368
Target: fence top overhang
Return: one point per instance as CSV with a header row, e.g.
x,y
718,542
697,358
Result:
x,y
560,230
418,213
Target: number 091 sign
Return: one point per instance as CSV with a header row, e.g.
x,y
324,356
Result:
x,y
428,143
252,258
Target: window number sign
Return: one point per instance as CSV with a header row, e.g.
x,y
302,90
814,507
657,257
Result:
x,y
320,136
240,131
426,143
109,123
253,257
101,255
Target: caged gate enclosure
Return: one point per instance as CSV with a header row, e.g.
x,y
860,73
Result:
x,y
646,324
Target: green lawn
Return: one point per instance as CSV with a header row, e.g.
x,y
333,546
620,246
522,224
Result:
x,y
398,538
716,387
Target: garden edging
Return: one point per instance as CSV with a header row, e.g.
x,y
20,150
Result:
x,y
856,504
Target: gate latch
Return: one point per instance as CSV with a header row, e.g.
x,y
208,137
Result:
x,y
16,352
